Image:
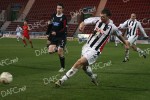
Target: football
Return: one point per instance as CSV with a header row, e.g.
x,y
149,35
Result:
x,y
6,78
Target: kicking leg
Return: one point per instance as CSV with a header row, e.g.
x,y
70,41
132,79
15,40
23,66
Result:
x,y
126,53
88,71
81,62
141,52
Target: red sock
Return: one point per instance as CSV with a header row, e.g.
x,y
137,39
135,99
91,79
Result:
x,y
24,41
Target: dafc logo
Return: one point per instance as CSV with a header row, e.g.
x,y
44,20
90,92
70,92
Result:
x,y
39,24
145,21
76,13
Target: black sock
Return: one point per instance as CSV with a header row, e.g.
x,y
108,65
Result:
x,y
62,61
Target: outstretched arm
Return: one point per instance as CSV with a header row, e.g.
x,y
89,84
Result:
x,y
123,25
142,30
88,21
119,35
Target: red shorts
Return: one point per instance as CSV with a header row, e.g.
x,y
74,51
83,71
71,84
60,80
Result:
x,y
26,36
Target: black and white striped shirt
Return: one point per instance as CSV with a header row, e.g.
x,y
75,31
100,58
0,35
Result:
x,y
132,26
18,29
101,33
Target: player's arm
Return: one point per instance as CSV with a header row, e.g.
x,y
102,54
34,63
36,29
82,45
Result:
x,y
48,29
49,26
16,30
142,30
88,21
123,25
119,35
64,28
20,29
29,28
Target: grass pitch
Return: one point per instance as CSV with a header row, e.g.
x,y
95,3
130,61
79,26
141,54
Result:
x,y
33,74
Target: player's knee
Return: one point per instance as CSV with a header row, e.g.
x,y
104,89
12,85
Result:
x,y
80,62
50,51
60,52
134,48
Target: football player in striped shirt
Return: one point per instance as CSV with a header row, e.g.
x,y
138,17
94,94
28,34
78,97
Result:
x,y
132,26
91,50
18,31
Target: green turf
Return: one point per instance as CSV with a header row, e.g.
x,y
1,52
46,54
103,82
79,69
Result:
x,y
119,81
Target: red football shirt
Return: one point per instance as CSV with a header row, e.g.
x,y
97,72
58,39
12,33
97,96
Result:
x,y
25,30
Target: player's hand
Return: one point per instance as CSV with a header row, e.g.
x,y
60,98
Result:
x,y
81,27
53,33
48,22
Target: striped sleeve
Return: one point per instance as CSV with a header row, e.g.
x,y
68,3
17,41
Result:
x,y
91,20
116,30
124,25
142,30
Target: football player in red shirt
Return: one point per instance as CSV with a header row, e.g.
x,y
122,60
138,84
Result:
x,y
26,29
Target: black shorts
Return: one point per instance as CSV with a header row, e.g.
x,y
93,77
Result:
x,y
59,42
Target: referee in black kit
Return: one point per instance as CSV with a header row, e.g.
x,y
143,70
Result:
x,y
57,33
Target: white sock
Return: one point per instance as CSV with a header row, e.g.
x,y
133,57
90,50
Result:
x,y
139,50
127,53
17,39
88,71
70,73
116,44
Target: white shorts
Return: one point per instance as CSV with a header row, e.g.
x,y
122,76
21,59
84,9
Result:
x,y
90,54
132,39
19,34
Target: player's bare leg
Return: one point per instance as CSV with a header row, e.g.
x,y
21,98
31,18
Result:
x,y
141,52
24,41
65,50
116,43
126,53
81,62
17,38
30,43
52,49
62,59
